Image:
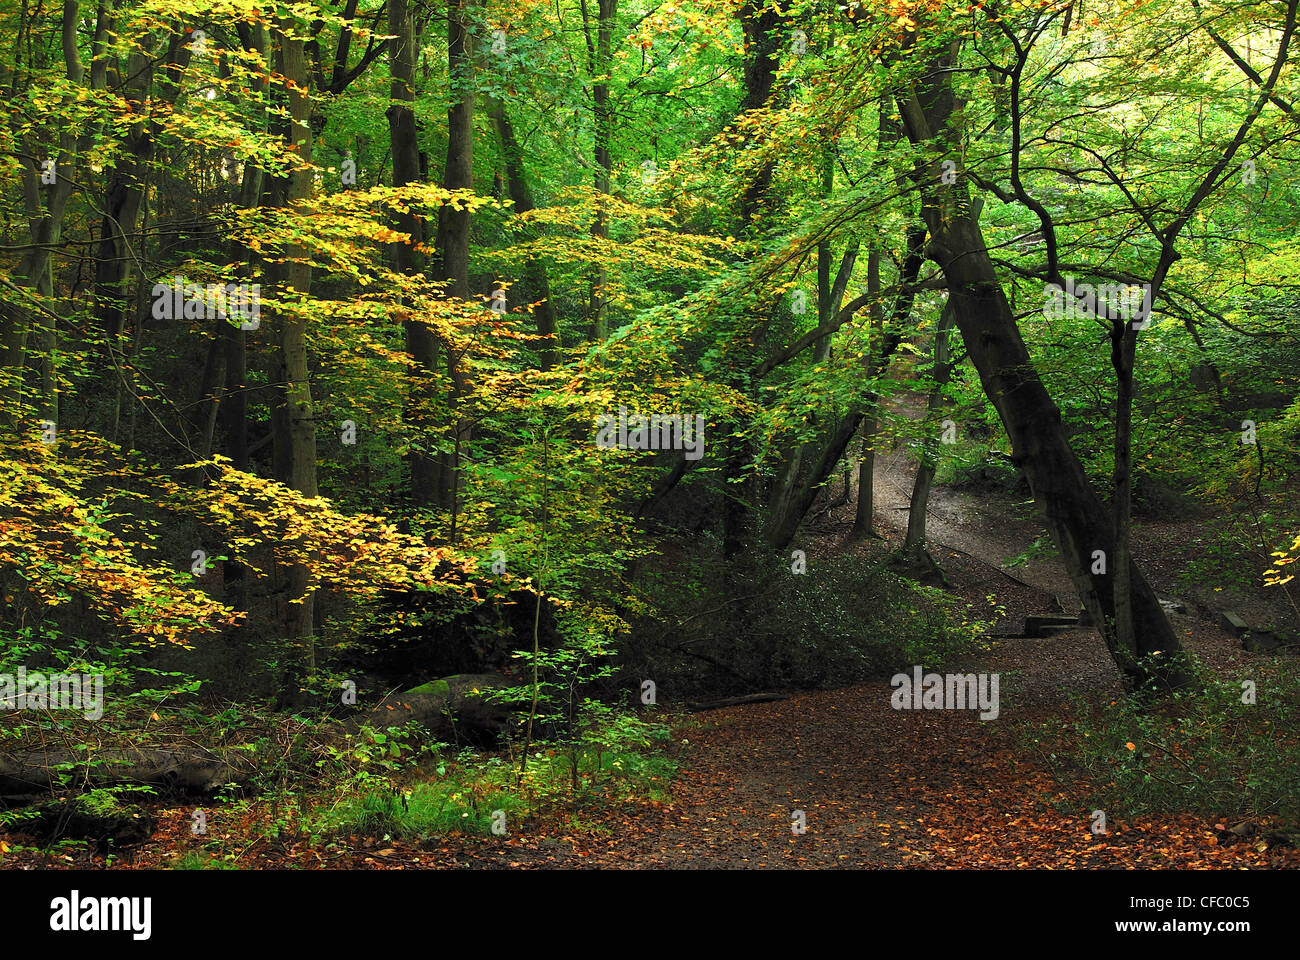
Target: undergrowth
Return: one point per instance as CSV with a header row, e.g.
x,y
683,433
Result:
x,y
1230,750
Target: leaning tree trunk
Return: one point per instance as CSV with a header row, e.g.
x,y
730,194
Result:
x,y
830,297
1074,515
785,526
783,529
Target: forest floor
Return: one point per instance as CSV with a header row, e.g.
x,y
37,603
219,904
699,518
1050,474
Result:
x,y
878,787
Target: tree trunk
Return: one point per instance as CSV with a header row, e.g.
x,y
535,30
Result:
x,y
1123,347
1073,514
914,542
830,297
184,769
784,528
232,414
603,117
865,514
233,411
761,24
865,511
454,225
208,400
47,366
762,57
47,224
300,421
537,285
420,341
125,195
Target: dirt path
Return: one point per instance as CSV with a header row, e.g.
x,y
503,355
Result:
x,y
890,788
993,527
881,788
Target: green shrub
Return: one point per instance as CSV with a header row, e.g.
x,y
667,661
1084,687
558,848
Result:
x,y
425,809
194,860
846,619
615,754
1205,752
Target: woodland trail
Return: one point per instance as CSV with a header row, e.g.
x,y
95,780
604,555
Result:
x,y
886,788
880,788
992,527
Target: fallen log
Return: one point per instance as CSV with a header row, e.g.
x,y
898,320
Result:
x,y
455,709
178,771
736,701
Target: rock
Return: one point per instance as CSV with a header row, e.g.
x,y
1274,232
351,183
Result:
x,y
455,709
1233,623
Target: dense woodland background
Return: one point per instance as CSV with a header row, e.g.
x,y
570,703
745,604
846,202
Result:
x,y
352,562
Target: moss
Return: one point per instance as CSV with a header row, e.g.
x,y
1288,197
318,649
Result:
x,y
434,688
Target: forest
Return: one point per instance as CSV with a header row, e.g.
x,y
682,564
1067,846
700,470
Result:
x,y
740,434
